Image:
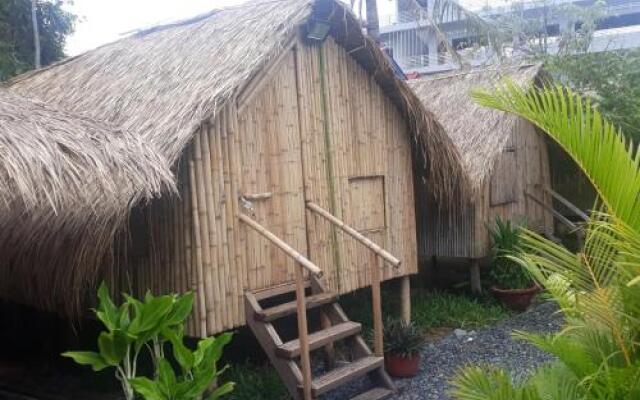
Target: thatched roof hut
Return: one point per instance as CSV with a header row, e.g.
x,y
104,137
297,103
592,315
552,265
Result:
x,y
247,107
161,83
504,157
66,186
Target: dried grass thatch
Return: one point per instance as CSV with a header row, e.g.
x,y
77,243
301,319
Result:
x,y
67,184
479,133
161,83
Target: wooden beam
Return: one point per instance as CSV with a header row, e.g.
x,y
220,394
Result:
x,y
302,260
476,283
405,299
385,255
378,341
567,204
560,217
303,335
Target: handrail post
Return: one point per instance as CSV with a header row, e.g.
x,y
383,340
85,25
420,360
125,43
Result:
x,y
303,333
302,262
378,340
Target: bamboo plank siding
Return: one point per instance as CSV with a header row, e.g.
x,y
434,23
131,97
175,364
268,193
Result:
x,y
523,167
317,128
503,155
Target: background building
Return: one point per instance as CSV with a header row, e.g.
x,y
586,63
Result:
x,y
410,35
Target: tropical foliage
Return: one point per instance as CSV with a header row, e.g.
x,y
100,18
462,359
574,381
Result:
x,y
149,325
402,339
17,48
506,273
598,289
610,78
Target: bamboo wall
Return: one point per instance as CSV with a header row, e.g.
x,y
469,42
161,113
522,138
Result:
x,y
369,157
523,165
315,126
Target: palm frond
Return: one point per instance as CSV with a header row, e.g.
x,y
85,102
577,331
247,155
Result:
x,y
487,383
610,162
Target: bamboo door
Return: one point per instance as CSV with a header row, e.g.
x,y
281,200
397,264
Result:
x,y
272,187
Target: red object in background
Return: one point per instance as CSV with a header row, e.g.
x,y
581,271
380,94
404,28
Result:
x,y
401,367
412,75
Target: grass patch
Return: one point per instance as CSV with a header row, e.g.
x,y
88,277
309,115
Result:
x,y
443,309
255,382
429,309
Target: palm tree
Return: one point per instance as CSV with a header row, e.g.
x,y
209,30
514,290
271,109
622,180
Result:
x,y
598,289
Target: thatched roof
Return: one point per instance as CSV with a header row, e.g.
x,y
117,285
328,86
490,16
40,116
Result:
x,y
479,133
162,83
67,184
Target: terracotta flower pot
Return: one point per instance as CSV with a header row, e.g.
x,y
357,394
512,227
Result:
x,y
401,367
516,299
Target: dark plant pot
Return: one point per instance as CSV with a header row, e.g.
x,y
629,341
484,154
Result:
x,y
402,367
516,299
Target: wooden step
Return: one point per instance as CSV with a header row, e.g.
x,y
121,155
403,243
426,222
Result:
x,y
378,393
285,309
339,376
319,339
277,290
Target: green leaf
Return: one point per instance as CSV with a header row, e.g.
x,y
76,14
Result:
x,y
95,360
147,388
113,346
181,309
201,382
209,353
182,353
167,378
151,314
125,318
203,345
107,311
222,390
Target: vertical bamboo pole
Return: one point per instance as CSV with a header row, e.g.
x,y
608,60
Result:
x,y
405,299
377,305
303,333
202,308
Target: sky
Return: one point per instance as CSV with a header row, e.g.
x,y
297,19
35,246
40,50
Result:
x,y
103,21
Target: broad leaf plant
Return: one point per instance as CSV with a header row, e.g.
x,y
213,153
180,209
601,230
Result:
x,y
151,325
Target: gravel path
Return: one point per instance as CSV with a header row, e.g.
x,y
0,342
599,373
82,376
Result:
x,y
492,345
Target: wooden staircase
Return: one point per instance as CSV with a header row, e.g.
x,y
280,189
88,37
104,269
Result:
x,y
292,358
263,310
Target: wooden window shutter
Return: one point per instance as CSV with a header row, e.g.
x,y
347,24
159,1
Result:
x,y
504,178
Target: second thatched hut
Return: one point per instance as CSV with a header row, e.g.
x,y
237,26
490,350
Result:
x,y
505,159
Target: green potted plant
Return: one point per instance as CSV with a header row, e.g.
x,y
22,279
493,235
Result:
x,y
512,283
402,345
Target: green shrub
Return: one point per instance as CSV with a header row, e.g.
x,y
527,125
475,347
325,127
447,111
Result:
x,y
597,353
505,272
151,324
256,382
402,339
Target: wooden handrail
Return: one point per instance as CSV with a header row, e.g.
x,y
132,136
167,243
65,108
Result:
x,y
385,255
377,253
290,251
567,204
560,217
301,306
